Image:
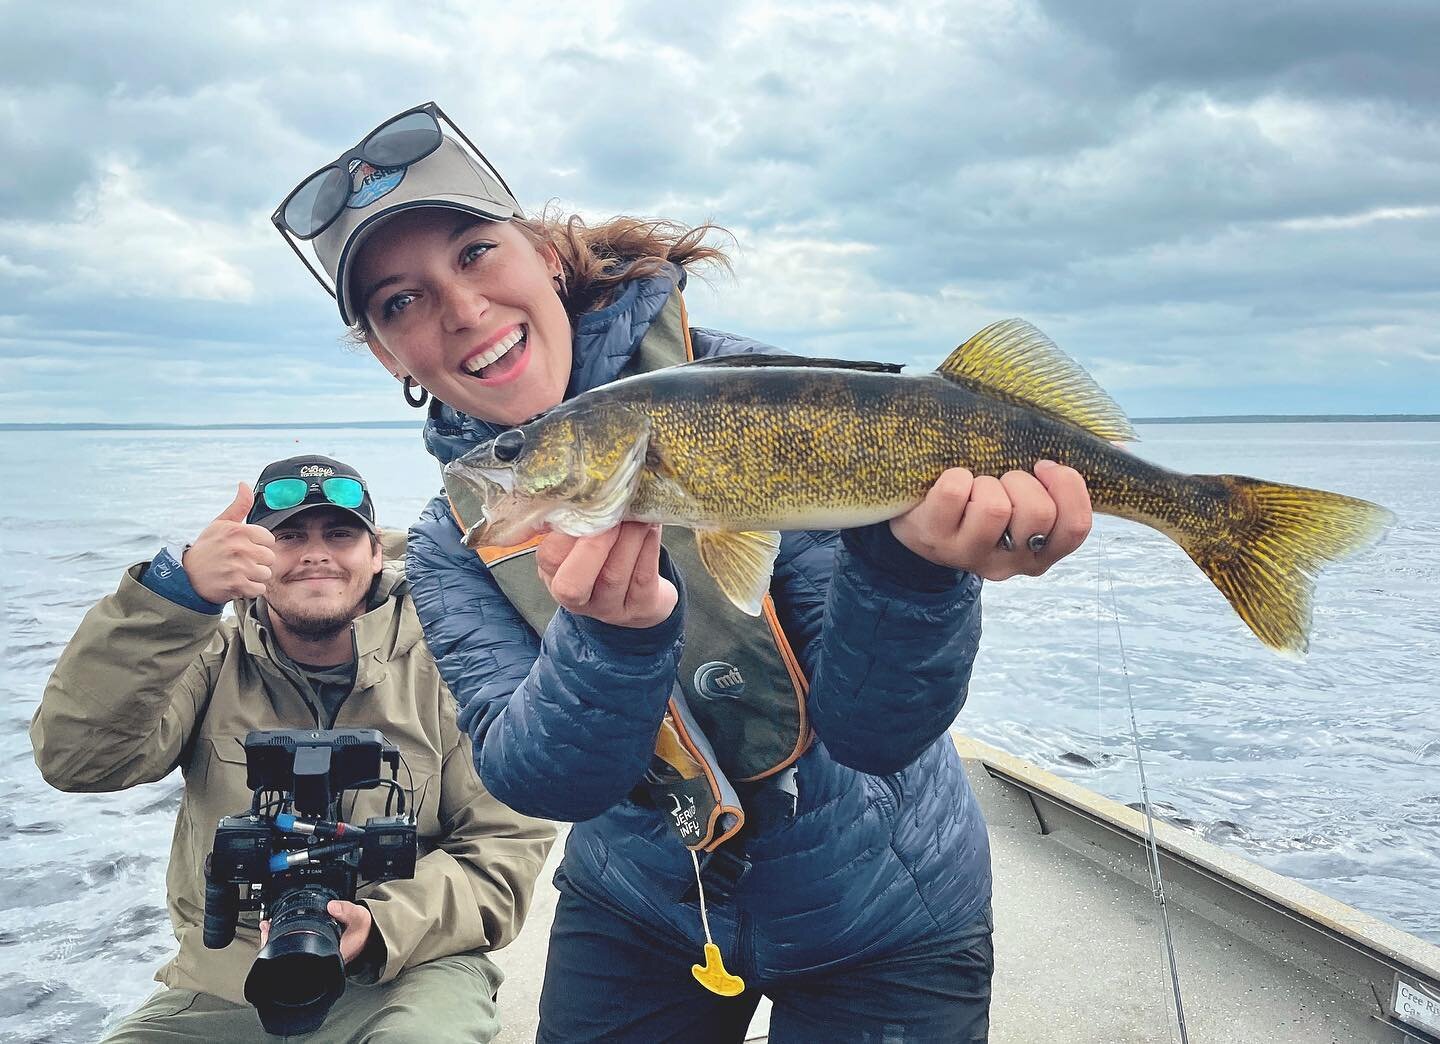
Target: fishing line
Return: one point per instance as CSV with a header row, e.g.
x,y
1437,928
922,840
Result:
x,y
1099,659
1157,882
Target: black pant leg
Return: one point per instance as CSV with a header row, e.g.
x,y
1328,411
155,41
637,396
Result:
x,y
936,992
607,979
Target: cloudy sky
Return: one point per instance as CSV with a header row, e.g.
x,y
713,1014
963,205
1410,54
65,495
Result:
x,y
1219,207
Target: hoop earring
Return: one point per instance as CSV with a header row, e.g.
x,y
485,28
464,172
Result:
x,y
559,280
416,402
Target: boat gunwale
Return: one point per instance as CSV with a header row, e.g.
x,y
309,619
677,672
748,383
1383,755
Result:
x,y
1373,938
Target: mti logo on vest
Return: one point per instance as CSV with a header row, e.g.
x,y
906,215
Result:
x,y
719,679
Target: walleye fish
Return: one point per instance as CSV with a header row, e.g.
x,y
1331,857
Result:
x,y
739,447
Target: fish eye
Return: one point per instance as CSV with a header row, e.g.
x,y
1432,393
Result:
x,y
508,444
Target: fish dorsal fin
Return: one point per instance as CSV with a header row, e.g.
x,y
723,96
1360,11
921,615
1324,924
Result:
x,y
796,360
1013,357
741,564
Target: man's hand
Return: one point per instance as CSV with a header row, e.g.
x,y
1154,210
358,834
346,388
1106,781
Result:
x,y
355,922
230,559
966,522
612,576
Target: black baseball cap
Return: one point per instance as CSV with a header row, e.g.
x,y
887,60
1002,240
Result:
x,y
295,484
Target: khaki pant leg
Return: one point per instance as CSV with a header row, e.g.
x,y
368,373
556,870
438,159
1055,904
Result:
x,y
172,1016
446,1001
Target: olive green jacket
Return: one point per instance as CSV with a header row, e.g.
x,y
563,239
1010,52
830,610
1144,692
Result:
x,y
147,686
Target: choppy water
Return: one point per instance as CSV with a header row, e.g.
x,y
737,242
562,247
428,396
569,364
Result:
x,y
1328,771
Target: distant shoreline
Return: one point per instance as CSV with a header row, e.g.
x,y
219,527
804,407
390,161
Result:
x,y
303,425
1294,418
1245,418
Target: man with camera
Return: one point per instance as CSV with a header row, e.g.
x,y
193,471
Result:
x,y
325,638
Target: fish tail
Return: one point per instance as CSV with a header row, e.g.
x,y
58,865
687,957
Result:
x,y
1270,544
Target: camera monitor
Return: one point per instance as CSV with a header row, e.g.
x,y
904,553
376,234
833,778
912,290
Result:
x,y
316,765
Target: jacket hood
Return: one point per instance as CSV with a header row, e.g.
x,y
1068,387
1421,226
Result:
x,y
604,341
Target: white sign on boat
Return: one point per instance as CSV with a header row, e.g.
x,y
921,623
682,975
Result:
x,y
1416,1006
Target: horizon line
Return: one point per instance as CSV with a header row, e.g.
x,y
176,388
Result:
x,y
1213,418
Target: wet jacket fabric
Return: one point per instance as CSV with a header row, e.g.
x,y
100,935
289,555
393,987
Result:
x,y
886,847
148,685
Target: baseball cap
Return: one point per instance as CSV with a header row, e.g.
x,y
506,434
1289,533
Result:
x,y
450,176
288,487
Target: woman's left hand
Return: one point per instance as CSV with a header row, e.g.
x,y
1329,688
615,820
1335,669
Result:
x,y
998,528
612,576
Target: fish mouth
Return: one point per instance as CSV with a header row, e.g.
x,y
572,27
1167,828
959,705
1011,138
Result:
x,y
505,532
486,506
492,512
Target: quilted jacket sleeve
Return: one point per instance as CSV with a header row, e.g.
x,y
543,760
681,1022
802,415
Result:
x,y
887,639
562,724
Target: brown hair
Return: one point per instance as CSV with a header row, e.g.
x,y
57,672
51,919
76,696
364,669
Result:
x,y
595,259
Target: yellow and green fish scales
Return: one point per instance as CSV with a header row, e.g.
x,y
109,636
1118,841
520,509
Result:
x,y
755,444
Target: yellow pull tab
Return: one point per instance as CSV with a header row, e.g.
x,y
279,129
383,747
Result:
x,y
713,975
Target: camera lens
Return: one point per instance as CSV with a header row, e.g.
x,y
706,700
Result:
x,y
298,974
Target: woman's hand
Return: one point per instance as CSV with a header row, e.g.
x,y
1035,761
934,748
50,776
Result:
x,y
966,522
612,576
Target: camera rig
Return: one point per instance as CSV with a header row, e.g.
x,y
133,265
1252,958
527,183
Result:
x,y
292,853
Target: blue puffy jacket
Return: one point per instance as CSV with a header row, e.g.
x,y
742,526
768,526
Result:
x,y
887,845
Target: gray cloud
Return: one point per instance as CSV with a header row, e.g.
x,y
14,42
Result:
x,y
1209,207
1322,47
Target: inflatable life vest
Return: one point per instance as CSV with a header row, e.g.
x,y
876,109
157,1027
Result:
x,y
737,712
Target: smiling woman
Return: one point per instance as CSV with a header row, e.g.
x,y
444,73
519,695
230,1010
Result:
x,y
721,851
467,308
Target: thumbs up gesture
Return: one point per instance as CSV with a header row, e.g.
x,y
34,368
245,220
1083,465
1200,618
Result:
x,y
230,559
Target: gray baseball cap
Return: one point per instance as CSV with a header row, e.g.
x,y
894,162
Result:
x,y
449,177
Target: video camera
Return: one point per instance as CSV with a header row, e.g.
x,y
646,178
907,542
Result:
x,y
292,854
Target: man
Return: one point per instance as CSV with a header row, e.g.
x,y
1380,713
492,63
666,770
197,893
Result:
x,y
326,637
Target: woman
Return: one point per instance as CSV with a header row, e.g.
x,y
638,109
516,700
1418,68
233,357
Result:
x,y
850,881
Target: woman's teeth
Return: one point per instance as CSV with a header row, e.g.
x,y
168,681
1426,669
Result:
x,y
486,358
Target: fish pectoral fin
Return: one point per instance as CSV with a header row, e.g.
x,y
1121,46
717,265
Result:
x,y
741,564
1014,358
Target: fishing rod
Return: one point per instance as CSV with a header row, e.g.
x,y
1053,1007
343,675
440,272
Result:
x,y
1157,881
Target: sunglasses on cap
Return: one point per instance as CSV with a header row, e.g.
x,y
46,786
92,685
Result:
x,y
316,202
279,494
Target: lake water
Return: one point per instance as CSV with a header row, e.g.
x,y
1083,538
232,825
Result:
x,y
1327,770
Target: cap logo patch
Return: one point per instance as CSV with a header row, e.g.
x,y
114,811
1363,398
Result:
x,y
369,183
316,471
